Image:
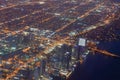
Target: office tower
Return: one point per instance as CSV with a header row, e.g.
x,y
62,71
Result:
x,y
68,58
81,47
42,66
36,73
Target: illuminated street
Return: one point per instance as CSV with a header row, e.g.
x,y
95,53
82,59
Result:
x,y
46,39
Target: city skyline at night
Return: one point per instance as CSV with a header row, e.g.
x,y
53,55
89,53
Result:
x,y
47,39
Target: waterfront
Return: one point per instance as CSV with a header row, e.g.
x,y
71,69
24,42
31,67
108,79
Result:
x,y
45,39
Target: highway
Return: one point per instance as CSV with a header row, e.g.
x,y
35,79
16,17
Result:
x,y
54,43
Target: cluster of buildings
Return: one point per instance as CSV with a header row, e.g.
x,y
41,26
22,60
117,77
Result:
x,y
32,27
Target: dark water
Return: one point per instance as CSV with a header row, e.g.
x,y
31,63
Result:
x,y
100,67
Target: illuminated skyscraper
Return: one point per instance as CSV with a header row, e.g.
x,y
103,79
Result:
x,y
81,47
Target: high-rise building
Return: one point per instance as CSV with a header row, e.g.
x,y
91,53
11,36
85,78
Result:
x,y
81,47
42,66
36,73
